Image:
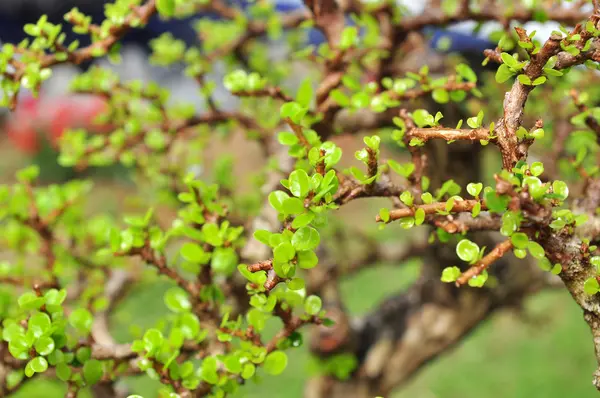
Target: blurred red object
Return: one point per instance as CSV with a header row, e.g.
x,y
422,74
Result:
x,y
46,119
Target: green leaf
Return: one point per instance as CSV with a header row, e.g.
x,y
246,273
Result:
x,y
503,73
535,186
552,72
340,98
509,60
524,79
467,251
92,371
28,174
556,269
262,236
299,183
177,300
248,371
440,96
224,260
233,364
520,253
30,301
284,252
591,286
307,259
419,216
63,371
153,340
293,206
474,188
39,324
189,325
407,198
55,297
496,203
450,274
536,250
194,253
44,345
303,220
537,134
296,284
519,240
275,363
466,72
81,319
405,169
384,214
479,280
306,238
287,138
372,142
539,80
305,93
423,118
294,111
312,305
427,198
36,365
166,7
537,168
560,188
276,199
348,38
212,236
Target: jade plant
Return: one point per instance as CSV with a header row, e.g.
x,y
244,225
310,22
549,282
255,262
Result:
x,y
493,169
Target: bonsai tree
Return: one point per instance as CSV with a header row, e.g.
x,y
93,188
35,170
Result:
x,y
490,179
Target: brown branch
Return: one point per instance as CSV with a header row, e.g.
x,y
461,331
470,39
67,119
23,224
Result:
x,y
261,266
160,263
272,280
140,13
372,169
351,189
496,253
465,222
421,92
46,234
273,92
329,18
297,129
432,208
449,134
291,323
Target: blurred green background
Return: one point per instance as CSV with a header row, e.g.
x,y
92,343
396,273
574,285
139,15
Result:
x,y
545,351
